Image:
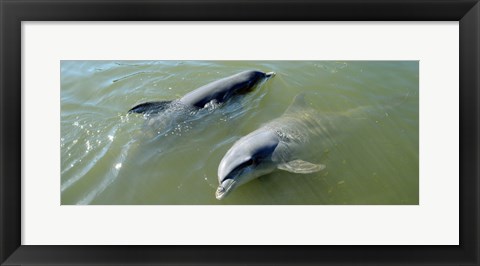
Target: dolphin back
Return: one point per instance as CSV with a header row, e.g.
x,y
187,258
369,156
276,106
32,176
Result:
x,y
223,89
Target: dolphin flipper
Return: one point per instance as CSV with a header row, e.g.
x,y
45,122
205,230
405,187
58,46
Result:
x,y
301,167
150,107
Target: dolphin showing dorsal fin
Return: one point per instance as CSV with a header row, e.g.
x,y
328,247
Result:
x,y
163,116
218,91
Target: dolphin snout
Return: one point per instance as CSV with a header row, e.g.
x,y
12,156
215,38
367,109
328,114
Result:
x,y
270,74
224,189
220,193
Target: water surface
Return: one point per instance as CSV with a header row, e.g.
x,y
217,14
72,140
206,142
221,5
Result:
x,y
111,157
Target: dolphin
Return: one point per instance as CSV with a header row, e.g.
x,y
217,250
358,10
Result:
x,y
279,144
215,92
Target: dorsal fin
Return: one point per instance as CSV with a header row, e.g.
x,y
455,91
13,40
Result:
x,y
150,107
297,104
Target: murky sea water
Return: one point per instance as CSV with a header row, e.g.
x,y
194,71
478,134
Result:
x,y
108,156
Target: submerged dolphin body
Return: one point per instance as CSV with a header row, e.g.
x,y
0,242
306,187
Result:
x,y
279,144
215,92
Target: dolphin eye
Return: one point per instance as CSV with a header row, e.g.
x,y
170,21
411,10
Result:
x,y
246,164
240,167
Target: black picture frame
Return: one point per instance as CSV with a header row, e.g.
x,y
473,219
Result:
x,y
13,12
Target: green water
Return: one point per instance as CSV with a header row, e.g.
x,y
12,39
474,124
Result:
x,y
109,157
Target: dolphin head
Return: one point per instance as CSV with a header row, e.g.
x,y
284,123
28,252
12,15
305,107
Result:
x,y
249,80
249,158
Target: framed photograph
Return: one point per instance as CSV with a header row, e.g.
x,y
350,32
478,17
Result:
x,y
239,132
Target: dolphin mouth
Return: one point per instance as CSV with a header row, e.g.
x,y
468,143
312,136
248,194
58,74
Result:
x,y
224,189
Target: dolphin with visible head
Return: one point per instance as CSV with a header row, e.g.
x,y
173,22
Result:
x,y
278,144
215,92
